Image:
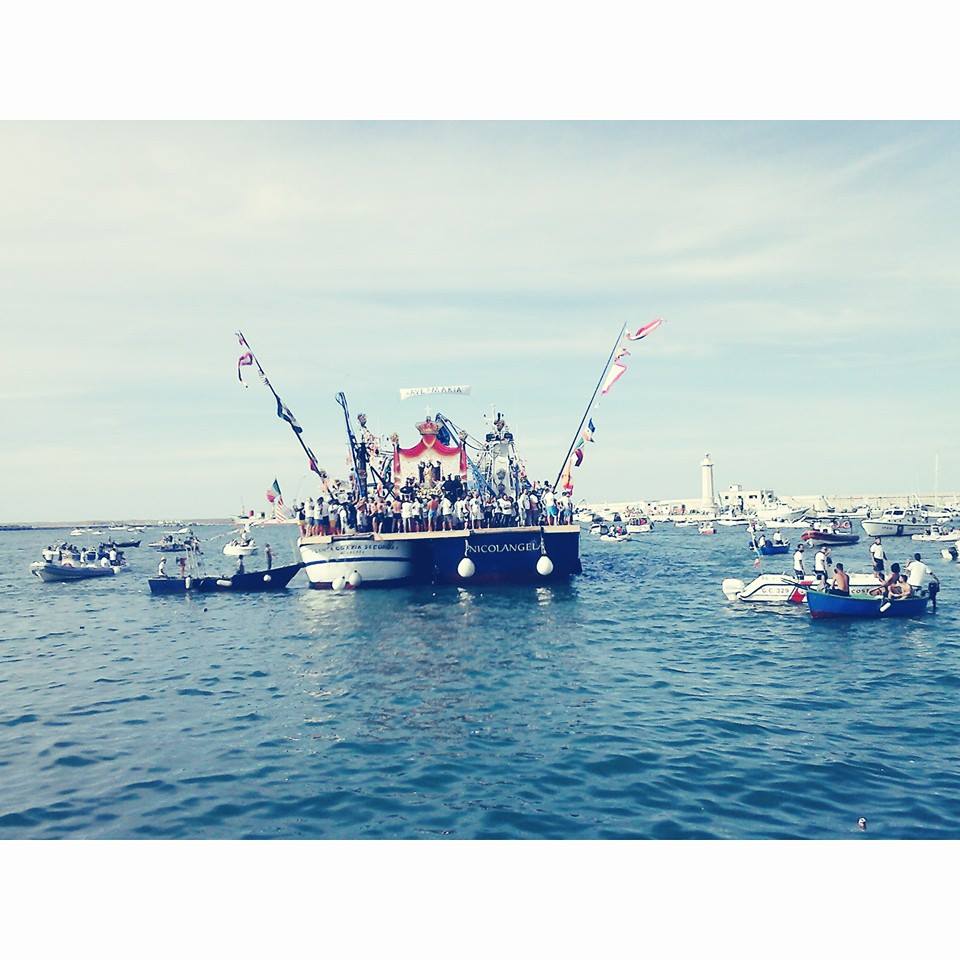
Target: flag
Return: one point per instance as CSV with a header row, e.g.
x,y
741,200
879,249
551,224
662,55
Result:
x,y
587,435
276,490
617,370
246,360
284,413
578,454
271,496
567,478
645,330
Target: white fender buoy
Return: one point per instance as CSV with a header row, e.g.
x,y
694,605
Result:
x,y
544,566
466,568
187,582
267,578
224,583
354,580
339,583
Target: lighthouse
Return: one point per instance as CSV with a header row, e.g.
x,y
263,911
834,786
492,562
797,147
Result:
x,y
706,484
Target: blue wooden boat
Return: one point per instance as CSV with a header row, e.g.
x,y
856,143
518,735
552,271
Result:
x,y
823,605
256,581
772,549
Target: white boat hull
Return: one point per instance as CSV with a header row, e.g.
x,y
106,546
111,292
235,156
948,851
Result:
x,y
234,550
330,560
885,528
639,528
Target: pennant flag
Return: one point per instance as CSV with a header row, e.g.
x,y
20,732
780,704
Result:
x,y
246,360
579,457
276,490
567,477
587,435
645,330
616,371
284,413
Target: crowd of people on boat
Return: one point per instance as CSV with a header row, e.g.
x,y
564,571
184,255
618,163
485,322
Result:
x,y
431,505
914,578
106,554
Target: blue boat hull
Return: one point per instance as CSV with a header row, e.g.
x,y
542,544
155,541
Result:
x,y
774,549
824,605
505,556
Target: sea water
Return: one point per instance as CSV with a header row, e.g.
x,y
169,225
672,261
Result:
x,y
633,701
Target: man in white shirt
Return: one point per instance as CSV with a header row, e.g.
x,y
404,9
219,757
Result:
x,y
446,509
798,563
777,538
877,554
820,566
919,574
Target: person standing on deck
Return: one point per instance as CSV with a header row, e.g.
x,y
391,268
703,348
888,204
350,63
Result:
x,y
162,567
820,565
877,555
798,571
268,553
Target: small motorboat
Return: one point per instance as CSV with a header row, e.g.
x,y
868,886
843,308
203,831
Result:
x,y
829,538
61,572
734,521
640,525
255,581
707,528
784,588
241,547
766,588
937,535
125,543
169,545
823,605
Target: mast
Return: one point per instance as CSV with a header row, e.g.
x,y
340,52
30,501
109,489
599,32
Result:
x,y
357,451
586,412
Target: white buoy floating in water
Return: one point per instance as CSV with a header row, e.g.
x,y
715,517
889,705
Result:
x,y
466,568
339,583
544,566
354,580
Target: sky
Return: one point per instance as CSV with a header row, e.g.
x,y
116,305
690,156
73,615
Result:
x,y
807,274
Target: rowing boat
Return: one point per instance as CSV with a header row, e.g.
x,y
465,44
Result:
x,y
824,605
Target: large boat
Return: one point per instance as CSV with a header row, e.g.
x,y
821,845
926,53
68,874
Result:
x,y
823,605
895,522
464,555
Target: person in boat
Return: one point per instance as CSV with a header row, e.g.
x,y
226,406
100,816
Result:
x,y
182,564
820,566
240,569
778,538
891,580
841,582
268,553
761,541
162,567
901,589
878,555
920,576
